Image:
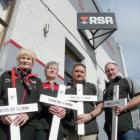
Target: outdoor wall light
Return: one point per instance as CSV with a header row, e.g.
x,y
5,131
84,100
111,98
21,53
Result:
x,y
46,29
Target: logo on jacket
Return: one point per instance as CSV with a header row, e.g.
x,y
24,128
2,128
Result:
x,y
7,80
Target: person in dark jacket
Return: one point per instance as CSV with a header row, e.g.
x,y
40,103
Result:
x,y
28,88
91,111
128,115
51,87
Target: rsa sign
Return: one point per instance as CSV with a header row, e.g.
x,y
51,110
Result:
x,y
94,21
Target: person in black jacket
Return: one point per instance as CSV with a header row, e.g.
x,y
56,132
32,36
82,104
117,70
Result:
x,y
28,88
90,109
51,87
128,115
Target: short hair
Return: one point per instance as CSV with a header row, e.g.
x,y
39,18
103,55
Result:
x,y
78,64
111,62
51,63
25,52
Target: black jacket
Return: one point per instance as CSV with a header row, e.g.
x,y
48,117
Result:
x,y
91,127
46,117
27,92
125,119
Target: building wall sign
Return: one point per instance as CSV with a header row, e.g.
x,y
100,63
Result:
x,y
94,21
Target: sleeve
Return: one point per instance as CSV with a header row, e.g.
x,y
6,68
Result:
x,y
39,91
135,88
1,91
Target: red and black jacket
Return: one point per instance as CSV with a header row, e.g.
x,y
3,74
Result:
x,y
29,88
45,116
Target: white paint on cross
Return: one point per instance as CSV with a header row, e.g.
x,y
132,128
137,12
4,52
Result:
x,y
13,109
85,98
59,101
80,98
115,102
81,127
112,103
56,120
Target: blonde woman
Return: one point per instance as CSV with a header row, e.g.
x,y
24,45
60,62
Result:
x,y
28,88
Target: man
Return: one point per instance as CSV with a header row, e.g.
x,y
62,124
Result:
x,y
128,115
90,109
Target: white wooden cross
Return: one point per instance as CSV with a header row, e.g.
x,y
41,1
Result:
x,y
59,101
80,98
111,103
14,109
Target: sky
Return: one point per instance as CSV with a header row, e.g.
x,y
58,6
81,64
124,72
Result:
x,y
127,14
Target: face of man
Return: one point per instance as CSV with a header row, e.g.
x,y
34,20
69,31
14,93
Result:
x,y
79,74
51,72
111,71
25,62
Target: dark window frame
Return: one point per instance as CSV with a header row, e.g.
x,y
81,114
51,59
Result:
x,y
6,21
72,54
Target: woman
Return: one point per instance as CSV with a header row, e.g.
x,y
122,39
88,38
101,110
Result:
x,y
28,88
51,89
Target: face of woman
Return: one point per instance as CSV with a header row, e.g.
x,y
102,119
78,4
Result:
x,y
51,72
25,62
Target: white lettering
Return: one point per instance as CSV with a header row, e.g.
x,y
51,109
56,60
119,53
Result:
x,y
92,20
101,20
109,20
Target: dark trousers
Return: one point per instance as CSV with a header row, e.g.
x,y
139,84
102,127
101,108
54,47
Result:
x,y
4,132
27,133
60,135
40,135
30,133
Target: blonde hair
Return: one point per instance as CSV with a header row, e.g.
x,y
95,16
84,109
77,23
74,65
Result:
x,y
51,63
25,52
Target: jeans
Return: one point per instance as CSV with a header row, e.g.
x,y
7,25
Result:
x,y
129,135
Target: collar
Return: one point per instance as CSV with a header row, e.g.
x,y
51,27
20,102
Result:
x,y
22,73
47,85
46,81
71,83
116,79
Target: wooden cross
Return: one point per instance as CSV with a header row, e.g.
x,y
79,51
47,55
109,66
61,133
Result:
x,y
111,103
59,101
80,98
14,109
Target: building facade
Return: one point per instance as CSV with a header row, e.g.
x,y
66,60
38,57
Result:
x,y
49,28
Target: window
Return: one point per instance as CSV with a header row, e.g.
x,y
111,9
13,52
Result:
x,y
6,8
72,56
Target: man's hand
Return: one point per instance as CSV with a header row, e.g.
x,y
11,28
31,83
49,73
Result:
x,y
83,118
120,109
